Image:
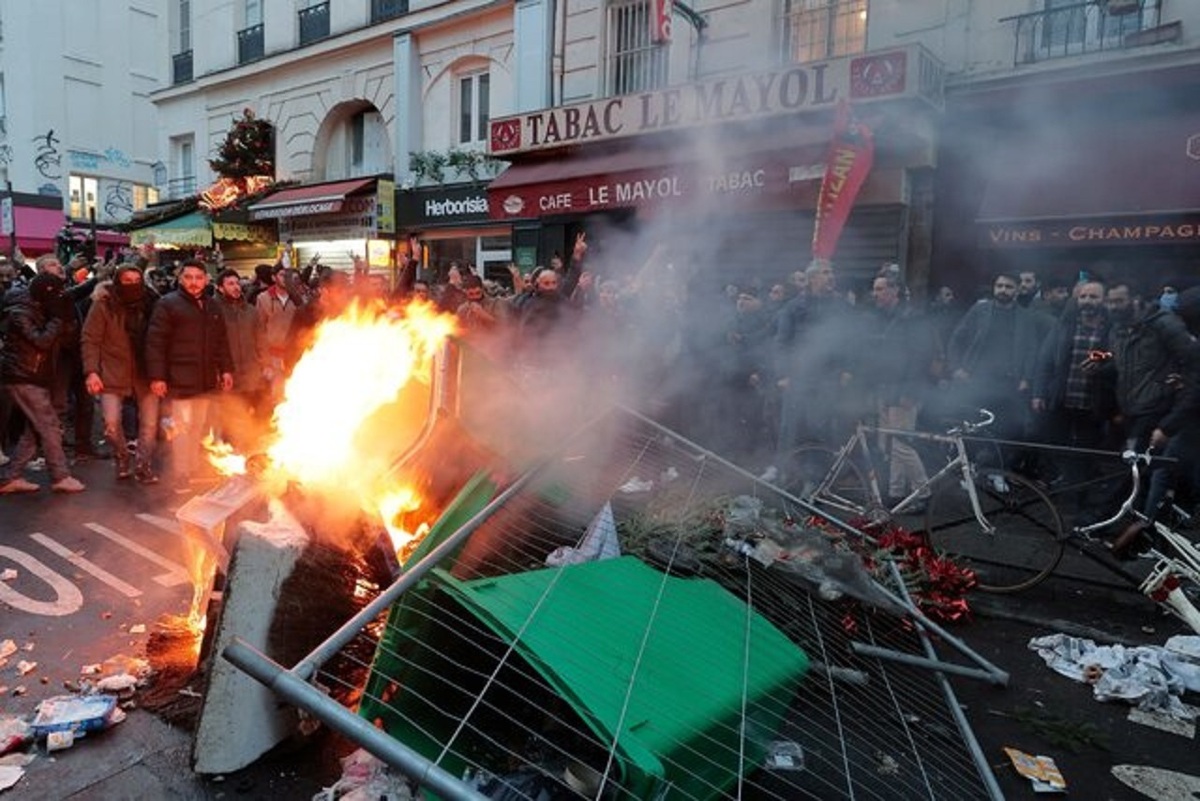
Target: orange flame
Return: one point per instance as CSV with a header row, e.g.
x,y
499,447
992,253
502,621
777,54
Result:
x,y
222,456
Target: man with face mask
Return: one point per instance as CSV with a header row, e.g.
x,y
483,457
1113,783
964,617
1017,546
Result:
x,y
114,335
35,321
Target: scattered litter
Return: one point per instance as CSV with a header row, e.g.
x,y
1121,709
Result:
x,y
635,485
668,475
366,777
1151,676
17,760
105,615
599,542
188,692
25,668
59,740
28,647
120,683
14,733
79,714
7,649
1040,770
90,670
784,755
18,690
10,775
140,628
8,575
886,765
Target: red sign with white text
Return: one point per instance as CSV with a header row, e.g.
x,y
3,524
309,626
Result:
x,y
660,22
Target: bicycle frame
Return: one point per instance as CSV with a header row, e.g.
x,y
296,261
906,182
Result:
x,y
858,441
1162,584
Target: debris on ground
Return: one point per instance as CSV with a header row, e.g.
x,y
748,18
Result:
x,y
1153,677
1040,770
365,777
78,714
14,733
10,775
8,574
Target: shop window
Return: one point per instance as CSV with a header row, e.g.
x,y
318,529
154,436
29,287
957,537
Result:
x,y
474,99
83,193
819,29
635,62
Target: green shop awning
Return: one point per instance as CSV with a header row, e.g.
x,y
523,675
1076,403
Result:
x,y
190,230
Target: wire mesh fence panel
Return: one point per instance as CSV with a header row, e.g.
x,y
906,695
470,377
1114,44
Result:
x,y
644,620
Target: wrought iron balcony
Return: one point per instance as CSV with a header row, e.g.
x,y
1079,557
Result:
x,y
250,44
314,23
1088,27
383,10
181,67
181,187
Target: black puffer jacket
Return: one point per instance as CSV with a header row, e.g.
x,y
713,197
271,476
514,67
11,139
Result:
x,y
186,345
32,338
1144,354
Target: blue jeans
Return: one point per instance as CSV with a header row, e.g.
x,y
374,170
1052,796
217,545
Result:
x,y
147,408
42,426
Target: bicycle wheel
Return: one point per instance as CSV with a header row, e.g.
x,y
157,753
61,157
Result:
x,y
1025,547
810,477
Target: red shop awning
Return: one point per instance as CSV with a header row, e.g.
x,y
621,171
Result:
x,y
303,200
37,229
587,182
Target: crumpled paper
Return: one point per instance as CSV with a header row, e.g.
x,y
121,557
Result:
x,y
1152,677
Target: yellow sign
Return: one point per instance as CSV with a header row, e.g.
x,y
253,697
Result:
x,y
385,217
379,253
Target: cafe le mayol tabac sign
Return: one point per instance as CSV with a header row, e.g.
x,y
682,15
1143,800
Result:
x,y
887,75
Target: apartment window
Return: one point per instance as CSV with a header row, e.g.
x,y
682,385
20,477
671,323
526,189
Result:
x,y
366,144
635,62
183,167
185,26
144,196
83,192
254,13
474,97
383,10
314,21
819,29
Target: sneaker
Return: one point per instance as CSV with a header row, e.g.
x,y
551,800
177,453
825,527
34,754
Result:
x,y
15,485
37,465
68,484
145,475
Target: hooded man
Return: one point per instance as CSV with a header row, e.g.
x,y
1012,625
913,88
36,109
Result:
x,y
114,335
34,321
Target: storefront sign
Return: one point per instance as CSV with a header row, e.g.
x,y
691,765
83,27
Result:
x,y
734,183
385,215
425,208
800,87
1163,230
356,220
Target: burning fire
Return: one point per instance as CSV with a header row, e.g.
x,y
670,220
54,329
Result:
x,y
335,431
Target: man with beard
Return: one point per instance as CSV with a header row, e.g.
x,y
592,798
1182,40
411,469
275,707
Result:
x,y
991,353
243,409
35,320
187,360
114,335
1177,432
1068,395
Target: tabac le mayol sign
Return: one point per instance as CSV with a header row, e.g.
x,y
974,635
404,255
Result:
x,y
800,87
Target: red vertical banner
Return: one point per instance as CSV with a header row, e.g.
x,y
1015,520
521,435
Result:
x,y
851,153
660,21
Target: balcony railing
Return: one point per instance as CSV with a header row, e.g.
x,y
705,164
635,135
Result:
x,y
250,44
181,67
181,187
1087,27
314,23
382,10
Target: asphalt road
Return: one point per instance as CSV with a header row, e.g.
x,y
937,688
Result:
x,y
91,566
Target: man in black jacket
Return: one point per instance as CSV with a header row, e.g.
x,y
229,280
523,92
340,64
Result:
x,y
187,360
35,320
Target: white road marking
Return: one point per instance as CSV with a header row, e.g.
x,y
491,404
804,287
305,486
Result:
x,y
165,523
175,575
68,598
86,565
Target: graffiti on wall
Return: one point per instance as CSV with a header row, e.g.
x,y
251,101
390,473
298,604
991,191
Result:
x,y
48,160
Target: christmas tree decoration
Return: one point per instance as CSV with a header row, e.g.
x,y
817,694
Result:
x,y
248,149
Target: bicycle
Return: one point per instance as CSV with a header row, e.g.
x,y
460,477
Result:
x,y
1176,572
1022,538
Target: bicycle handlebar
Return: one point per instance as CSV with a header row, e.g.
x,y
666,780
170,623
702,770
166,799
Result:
x,y
986,418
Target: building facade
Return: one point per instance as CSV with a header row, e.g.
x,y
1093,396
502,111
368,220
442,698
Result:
x,y
77,128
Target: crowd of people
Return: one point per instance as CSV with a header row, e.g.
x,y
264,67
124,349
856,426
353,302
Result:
x,y
749,370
